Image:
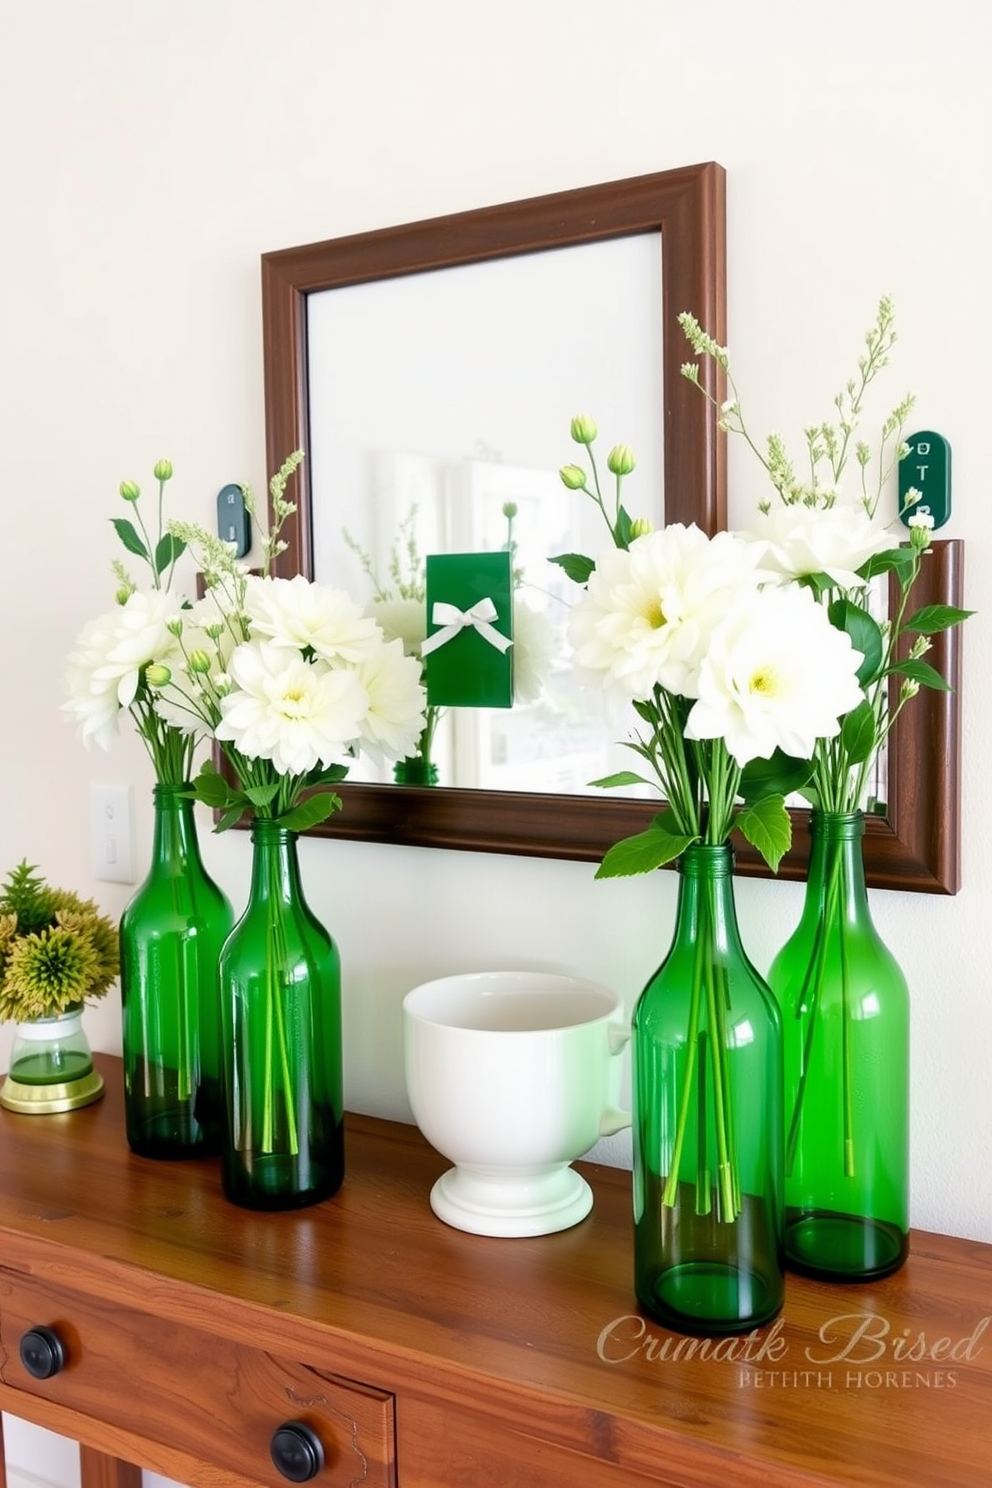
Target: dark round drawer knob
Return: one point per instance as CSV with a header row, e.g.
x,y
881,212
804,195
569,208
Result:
x,y
42,1352
296,1451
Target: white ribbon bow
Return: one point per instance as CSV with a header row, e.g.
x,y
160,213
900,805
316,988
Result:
x,y
455,620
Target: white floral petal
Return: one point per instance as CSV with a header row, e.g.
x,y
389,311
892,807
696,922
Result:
x,y
777,675
299,615
396,702
294,712
648,611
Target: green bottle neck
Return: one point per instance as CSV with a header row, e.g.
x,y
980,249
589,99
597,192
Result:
x,y
706,904
836,865
275,869
174,838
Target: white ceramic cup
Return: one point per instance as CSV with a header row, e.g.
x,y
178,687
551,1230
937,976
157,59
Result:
x,y
512,1075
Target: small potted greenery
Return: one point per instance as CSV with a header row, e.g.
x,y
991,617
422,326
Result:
x,y
57,952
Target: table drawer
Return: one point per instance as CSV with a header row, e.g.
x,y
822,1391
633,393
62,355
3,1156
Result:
x,y
174,1383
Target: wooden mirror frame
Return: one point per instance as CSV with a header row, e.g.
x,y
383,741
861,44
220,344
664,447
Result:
x,y
916,846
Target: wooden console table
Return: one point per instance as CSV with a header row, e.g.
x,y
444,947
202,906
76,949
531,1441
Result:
x,y
421,1357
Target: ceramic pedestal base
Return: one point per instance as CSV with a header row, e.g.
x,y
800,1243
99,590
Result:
x,y
495,1201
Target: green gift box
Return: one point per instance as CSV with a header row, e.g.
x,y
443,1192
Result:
x,y
468,653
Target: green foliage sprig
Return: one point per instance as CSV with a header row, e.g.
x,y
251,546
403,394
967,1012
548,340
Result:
x,y
893,669
56,950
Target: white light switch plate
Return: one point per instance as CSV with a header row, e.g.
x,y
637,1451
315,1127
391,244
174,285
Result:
x,y
112,831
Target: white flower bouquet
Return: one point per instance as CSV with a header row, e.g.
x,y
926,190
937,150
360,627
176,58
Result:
x,y
734,674
290,677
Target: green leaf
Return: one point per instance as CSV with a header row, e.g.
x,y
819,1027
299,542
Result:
x,y
621,532
647,711
865,633
857,733
768,827
576,566
778,776
168,551
211,789
622,777
643,853
820,583
129,537
311,812
261,796
901,559
932,618
646,752
230,817
922,672
331,776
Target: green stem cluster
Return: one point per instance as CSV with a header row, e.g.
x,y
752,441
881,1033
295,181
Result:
x,y
831,923
707,1071
276,1043
169,749
698,778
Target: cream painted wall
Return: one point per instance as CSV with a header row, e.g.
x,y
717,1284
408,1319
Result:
x,y
150,152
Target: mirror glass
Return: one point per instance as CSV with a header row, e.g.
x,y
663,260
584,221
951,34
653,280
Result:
x,y
462,423
477,371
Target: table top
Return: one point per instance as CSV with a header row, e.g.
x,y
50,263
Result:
x,y
886,1383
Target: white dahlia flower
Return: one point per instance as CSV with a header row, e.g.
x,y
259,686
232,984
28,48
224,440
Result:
x,y
649,611
777,675
799,540
306,616
111,652
296,713
394,719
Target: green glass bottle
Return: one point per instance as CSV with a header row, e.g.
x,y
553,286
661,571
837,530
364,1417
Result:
x,y
415,771
280,980
171,935
845,1014
707,1121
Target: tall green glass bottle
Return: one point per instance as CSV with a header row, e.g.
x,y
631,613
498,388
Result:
x,y
171,935
707,1121
845,1012
280,978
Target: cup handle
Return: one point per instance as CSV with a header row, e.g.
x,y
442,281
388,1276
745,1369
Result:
x,y
612,1121
618,1035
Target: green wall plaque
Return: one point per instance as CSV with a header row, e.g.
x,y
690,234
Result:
x,y
927,469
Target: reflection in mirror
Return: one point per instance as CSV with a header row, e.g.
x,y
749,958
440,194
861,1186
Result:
x,y
916,845
477,372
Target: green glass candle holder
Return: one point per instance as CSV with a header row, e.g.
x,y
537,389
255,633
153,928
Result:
x,y
51,1067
